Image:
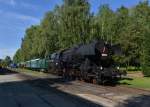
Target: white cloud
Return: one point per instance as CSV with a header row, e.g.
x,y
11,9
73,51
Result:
x,y
24,17
29,6
20,3
9,2
12,2
19,16
6,52
1,11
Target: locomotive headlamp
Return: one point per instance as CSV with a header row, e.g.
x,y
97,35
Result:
x,y
118,68
104,54
101,68
56,63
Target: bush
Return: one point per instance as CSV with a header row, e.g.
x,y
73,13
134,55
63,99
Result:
x,y
146,51
146,70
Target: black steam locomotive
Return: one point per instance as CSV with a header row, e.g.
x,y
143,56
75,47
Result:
x,y
90,62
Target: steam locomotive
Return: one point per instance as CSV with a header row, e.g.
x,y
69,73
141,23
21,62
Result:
x,y
89,62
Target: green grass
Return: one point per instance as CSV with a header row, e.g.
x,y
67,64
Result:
x,y
131,68
143,83
30,72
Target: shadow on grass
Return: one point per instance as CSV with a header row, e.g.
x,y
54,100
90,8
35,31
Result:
x,y
116,82
147,76
138,101
126,78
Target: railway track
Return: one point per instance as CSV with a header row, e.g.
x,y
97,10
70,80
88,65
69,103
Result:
x,y
103,90
111,96
118,88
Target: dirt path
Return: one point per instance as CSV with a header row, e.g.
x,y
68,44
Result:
x,y
51,89
106,95
17,90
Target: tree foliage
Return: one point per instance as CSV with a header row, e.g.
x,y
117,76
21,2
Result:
x,y
5,62
72,23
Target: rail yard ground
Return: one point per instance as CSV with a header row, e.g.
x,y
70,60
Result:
x,y
22,88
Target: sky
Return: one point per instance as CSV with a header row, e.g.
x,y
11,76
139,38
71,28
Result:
x,y
17,15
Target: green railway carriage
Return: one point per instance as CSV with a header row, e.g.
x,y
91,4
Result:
x,y
43,63
37,64
27,64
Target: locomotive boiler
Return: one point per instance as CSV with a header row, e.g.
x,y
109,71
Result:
x,y
90,62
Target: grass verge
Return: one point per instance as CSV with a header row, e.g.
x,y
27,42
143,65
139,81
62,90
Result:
x,y
136,82
29,72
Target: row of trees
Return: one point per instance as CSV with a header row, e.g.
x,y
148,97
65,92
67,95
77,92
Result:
x,y
73,23
5,62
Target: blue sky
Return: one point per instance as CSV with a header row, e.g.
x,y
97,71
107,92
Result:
x,y
17,15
